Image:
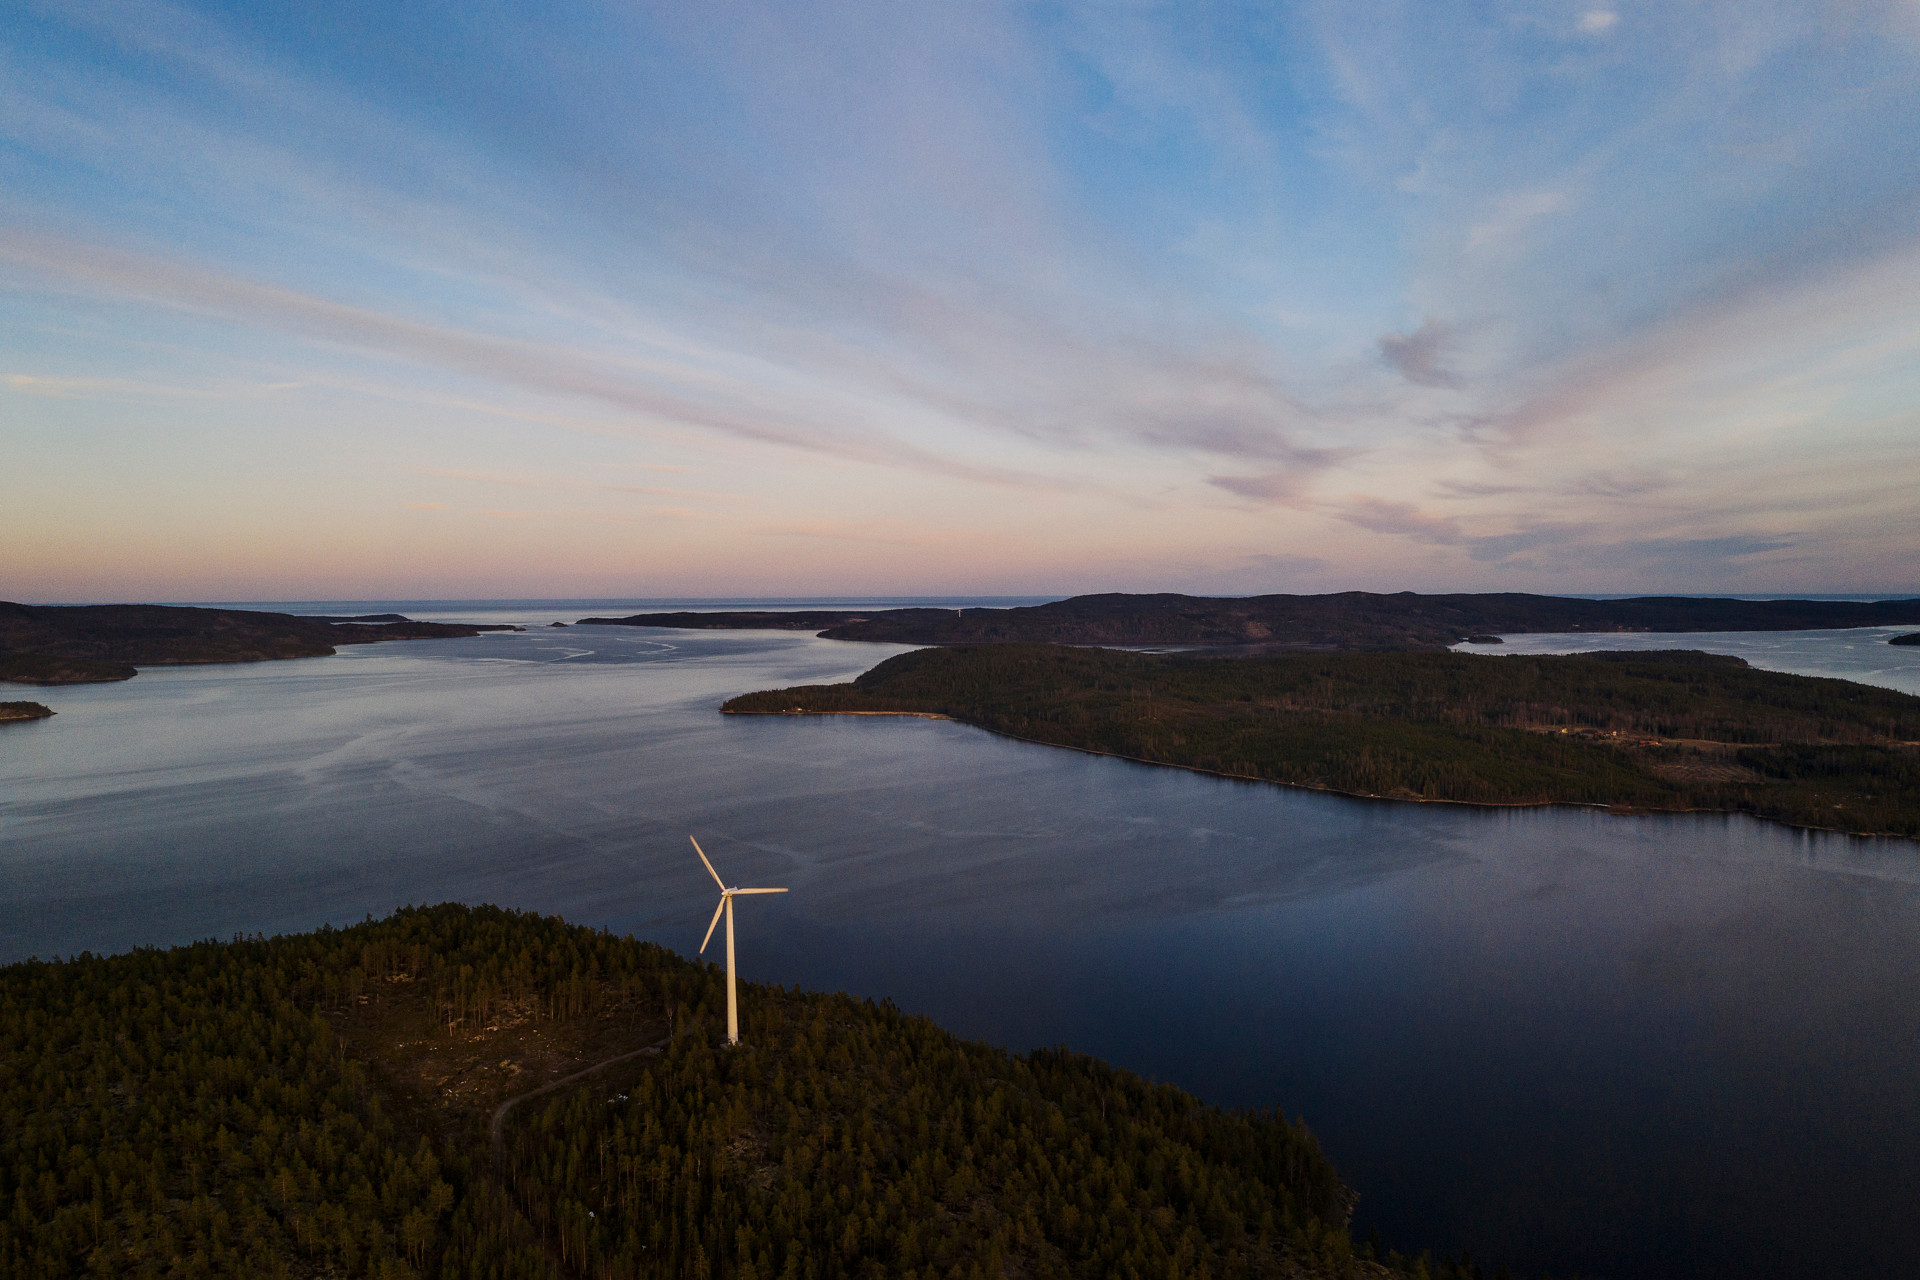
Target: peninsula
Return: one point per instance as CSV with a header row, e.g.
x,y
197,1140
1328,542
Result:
x,y
1671,731
1348,620
85,644
466,1091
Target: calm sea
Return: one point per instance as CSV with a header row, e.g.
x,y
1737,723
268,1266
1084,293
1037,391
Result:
x,y
1632,1047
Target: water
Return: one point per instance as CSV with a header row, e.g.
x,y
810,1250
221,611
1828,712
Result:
x,y
1861,654
1682,1046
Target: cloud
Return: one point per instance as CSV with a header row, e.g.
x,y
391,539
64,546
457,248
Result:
x,y
1477,489
1403,519
1707,550
533,365
1563,545
1513,214
131,389
865,257
1285,488
1705,376
1632,483
1418,356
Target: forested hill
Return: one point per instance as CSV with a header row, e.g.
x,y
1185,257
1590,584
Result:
x,y
1348,620
1674,730
319,1105
82,644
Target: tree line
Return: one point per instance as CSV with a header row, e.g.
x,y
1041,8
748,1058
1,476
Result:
x,y
1675,731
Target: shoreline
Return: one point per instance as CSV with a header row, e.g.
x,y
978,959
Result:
x,y
1617,810
921,715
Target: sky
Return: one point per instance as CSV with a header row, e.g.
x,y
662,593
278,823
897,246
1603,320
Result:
x,y
357,300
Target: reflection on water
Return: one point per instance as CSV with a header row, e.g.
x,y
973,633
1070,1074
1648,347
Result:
x,y
1641,1047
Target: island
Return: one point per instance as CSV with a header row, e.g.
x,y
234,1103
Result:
x,y
87,644
1638,732
467,1091
1358,620
11,711
1913,638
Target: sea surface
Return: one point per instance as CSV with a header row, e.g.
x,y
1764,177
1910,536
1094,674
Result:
x,y
1679,1046
1861,654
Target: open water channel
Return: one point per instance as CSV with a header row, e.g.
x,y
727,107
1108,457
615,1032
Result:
x,y
1566,1041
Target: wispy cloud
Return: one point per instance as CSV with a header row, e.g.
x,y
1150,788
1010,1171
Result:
x,y
538,367
522,481
1404,520
1420,356
1512,215
1554,544
1580,293
58,388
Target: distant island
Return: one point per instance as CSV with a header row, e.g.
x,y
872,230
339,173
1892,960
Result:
x,y
87,644
23,711
1349,620
357,617
466,1091
1906,639
1658,731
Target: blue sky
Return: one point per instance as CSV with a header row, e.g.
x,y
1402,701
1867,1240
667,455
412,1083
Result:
x,y
364,300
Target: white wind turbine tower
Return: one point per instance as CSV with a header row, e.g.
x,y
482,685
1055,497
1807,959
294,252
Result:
x,y
726,906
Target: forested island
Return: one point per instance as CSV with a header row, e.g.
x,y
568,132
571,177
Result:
x,y
23,711
1638,731
87,644
328,1104
1358,620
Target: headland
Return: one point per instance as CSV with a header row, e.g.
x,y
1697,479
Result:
x,y
1668,731
319,1104
88,644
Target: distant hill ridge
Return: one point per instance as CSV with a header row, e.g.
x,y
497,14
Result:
x,y
85,644
1345,620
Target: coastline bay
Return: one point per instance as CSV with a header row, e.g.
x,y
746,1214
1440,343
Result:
x,y
1488,1017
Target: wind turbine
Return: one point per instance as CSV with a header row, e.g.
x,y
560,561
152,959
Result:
x,y
726,906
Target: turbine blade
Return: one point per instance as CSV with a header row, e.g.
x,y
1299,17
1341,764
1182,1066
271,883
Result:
x,y
716,923
709,866
758,891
